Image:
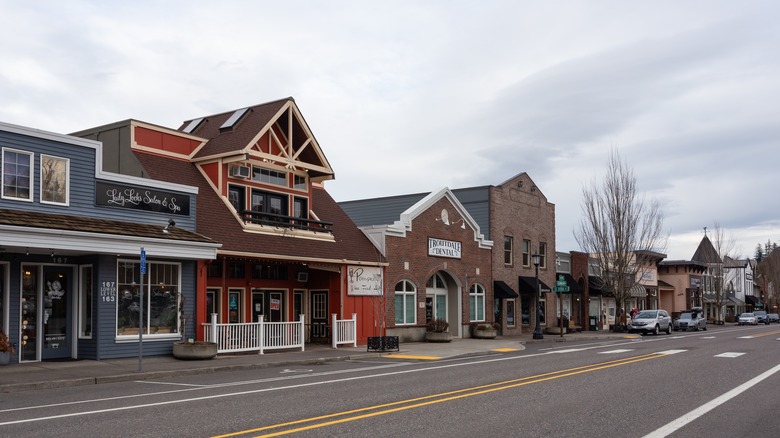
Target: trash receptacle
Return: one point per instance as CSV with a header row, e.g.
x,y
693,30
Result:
x,y
594,323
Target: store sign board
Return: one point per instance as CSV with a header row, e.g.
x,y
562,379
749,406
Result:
x,y
140,198
444,248
364,280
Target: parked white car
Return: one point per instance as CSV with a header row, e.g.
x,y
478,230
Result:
x,y
747,318
651,321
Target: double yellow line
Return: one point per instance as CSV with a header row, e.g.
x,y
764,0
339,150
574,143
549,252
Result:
x,y
412,403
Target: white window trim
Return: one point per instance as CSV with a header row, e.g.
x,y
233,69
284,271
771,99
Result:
x,y
32,174
404,293
475,291
82,301
67,180
146,287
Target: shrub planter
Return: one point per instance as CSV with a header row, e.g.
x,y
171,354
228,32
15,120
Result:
x,y
194,350
438,336
485,334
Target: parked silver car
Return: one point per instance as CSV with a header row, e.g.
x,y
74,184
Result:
x,y
690,321
773,317
747,318
651,321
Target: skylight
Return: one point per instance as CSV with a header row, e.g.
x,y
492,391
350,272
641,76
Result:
x,y
234,118
192,125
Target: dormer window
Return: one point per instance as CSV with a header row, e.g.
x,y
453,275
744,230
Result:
x,y
299,182
269,176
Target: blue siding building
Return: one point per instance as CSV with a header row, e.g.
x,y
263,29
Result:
x,y
73,282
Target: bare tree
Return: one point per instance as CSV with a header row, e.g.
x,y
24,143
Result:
x,y
769,270
622,231
722,249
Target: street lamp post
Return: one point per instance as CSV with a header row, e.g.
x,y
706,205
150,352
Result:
x,y
538,330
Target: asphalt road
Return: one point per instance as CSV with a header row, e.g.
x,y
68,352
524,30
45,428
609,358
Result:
x,y
722,382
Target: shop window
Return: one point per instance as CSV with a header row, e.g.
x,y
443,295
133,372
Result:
x,y
236,270
269,272
85,303
214,269
161,298
542,254
508,250
526,253
17,175
405,300
54,180
510,313
477,302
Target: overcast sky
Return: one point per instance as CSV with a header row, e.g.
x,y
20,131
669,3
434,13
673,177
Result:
x,y
411,96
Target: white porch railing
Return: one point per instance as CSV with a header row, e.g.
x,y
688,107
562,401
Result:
x,y
254,336
344,331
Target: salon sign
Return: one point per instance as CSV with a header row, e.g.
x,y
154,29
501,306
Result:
x,y
444,248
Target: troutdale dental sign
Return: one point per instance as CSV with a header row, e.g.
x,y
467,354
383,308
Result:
x,y
444,248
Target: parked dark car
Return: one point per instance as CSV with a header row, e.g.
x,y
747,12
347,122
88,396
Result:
x,y
690,321
773,317
761,317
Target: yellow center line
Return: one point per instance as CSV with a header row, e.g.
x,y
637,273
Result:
x,y
438,398
767,334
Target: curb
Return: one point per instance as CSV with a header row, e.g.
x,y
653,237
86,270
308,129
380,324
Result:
x,y
147,375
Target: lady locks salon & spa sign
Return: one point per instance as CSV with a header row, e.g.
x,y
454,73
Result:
x,y
124,196
444,248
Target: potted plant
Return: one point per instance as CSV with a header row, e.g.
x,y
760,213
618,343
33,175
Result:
x,y
484,330
437,330
6,349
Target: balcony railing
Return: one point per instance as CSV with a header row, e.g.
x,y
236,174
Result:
x,y
284,221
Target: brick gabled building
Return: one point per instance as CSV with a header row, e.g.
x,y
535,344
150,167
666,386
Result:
x,y
287,248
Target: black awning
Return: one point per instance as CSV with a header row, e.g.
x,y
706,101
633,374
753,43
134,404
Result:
x,y
528,285
502,290
753,301
574,287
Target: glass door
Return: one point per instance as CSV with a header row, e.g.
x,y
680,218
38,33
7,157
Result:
x,y
57,291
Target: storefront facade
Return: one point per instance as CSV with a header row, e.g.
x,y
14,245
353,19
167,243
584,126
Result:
x,y
71,243
439,267
288,251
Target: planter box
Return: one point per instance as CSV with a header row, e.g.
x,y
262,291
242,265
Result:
x,y
383,343
485,334
438,337
194,350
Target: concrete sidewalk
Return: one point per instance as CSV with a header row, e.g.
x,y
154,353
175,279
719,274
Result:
x,y
56,374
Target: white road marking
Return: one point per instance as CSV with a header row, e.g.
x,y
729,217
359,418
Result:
x,y
569,350
675,425
729,355
745,337
670,352
615,351
708,337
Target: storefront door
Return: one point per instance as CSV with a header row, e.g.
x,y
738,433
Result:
x,y
267,303
47,302
319,315
57,298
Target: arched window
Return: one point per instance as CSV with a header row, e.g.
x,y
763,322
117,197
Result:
x,y
405,300
477,302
